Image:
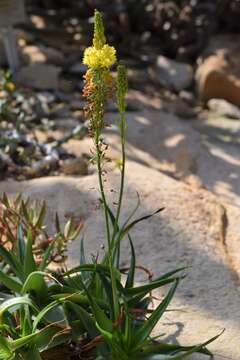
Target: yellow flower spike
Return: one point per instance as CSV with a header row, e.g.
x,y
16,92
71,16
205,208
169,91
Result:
x,y
99,39
100,54
105,57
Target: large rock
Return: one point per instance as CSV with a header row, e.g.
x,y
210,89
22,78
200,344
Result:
x,y
187,232
39,76
171,74
200,153
218,73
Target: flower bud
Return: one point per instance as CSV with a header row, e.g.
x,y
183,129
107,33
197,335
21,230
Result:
x,y
99,39
122,87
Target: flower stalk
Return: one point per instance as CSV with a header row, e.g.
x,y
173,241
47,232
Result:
x,y
122,88
98,88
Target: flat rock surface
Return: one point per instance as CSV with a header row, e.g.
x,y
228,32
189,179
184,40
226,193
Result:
x,y
188,232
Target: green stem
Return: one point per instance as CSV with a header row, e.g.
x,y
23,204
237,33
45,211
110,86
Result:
x,y
100,180
122,167
113,280
123,163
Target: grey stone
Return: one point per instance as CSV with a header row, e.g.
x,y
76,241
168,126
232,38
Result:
x,y
39,76
12,12
173,75
32,54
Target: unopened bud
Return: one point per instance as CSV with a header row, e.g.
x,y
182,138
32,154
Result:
x,y
99,39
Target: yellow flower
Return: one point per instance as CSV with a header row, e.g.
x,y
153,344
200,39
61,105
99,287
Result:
x,y
104,57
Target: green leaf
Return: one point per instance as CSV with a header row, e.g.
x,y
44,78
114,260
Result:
x,y
198,348
137,293
168,349
79,298
83,261
131,272
25,210
84,316
16,302
69,229
25,340
132,224
20,243
10,283
127,335
144,289
112,217
57,224
40,221
35,283
29,262
5,350
125,230
145,330
106,284
133,211
82,252
101,319
12,261
45,260
88,267
164,351
51,336
41,315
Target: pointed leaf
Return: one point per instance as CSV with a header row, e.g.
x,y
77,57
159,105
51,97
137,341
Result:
x,y
5,350
145,330
46,257
10,283
40,221
16,302
131,272
12,261
20,243
29,262
86,319
132,224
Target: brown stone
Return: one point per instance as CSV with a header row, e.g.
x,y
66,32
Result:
x,y
78,166
218,74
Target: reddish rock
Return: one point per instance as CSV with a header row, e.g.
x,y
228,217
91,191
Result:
x,y
218,74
